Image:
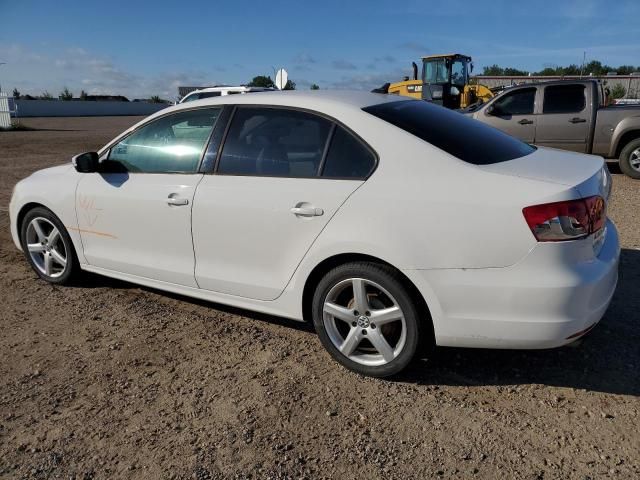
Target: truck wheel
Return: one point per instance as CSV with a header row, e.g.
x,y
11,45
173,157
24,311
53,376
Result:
x,y
630,159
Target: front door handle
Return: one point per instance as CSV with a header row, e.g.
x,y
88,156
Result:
x,y
307,211
525,121
577,120
175,200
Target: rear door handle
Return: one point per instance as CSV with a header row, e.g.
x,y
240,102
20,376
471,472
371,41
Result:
x,y
175,200
307,211
577,120
525,121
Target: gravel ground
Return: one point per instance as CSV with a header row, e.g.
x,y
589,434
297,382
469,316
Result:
x,y
110,380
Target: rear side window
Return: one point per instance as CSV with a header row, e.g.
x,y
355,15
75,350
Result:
x,y
274,142
347,157
564,99
455,133
519,102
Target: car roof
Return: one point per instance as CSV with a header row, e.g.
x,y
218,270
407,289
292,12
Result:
x,y
319,100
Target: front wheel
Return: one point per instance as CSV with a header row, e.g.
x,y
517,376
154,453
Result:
x,y
366,319
47,246
630,159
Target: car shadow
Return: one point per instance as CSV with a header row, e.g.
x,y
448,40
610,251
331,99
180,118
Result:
x,y
606,360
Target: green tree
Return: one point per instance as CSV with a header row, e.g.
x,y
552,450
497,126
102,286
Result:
x,y
618,91
514,72
314,87
83,95
65,94
290,85
46,96
493,71
262,81
16,93
157,99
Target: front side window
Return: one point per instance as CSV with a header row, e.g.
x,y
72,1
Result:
x,y
170,144
564,99
519,102
457,134
347,157
274,142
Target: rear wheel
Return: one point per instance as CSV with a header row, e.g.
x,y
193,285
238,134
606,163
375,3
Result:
x,y
630,159
47,246
366,319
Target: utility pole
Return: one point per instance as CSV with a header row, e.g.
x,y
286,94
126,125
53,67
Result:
x,y
2,63
584,58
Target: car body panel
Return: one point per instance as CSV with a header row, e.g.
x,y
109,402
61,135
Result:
x,y
127,225
247,241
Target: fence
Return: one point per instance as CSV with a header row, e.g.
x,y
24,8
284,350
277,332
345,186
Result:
x,y
89,108
5,110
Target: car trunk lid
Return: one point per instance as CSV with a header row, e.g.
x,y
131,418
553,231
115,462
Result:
x,y
588,174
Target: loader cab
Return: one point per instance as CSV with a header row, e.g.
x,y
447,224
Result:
x,y
444,78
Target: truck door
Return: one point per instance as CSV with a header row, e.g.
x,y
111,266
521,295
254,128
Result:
x,y
565,121
513,113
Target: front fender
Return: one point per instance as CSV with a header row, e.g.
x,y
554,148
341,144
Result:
x,y
55,189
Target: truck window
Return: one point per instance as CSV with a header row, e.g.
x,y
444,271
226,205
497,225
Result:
x,y
519,102
564,99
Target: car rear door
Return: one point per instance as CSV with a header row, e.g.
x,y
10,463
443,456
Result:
x,y
279,178
513,113
565,121
135,216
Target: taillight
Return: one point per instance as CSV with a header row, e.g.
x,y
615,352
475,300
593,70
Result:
x,y
568,220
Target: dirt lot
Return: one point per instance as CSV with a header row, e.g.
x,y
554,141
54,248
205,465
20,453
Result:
x,y
111,380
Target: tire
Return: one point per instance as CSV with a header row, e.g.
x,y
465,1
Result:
x,y
348,334
48,249
630,159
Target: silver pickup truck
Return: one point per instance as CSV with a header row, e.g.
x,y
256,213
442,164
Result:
x,y
567,114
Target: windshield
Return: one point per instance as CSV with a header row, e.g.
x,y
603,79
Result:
x,y
458,135
435,71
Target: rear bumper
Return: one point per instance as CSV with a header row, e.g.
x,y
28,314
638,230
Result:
x,y
548,299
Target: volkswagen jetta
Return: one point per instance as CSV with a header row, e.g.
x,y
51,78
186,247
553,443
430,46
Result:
x,y
391,224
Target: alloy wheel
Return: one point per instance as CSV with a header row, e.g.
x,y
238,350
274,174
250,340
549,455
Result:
x,y
46,247
364,322
634,159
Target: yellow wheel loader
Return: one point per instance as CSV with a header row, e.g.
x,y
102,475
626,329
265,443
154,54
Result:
x,y
444,80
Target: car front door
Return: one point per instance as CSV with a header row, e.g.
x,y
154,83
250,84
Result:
x,y
134,217
513,113
565,121
280,177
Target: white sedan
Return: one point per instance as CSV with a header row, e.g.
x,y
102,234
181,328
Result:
x,y
392,224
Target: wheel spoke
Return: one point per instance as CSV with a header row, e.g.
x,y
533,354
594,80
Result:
x,y
386,315
53,236
360,295
38,229
381,344
35,247
48,263
351,342
336,311
58,258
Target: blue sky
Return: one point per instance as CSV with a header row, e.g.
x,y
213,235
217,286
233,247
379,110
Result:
x,y
149,48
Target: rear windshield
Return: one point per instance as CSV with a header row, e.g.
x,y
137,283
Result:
x,y
456,134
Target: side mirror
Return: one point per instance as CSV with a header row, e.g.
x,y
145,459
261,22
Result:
x,y
87,162
492,110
